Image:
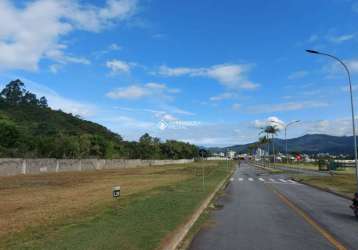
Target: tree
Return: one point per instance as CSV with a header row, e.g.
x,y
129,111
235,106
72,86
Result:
x,y
272,130
9,134
13,92
29,98
43,102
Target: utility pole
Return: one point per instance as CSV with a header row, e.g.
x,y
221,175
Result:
x,y
203,172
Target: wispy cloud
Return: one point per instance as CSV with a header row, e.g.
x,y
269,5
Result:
x,y
223,96
283,107
233,76
342,38
134,92
298,75
118,66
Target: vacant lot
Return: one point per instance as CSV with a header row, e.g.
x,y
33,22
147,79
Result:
x,y
76,210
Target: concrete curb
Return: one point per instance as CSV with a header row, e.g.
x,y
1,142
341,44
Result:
x,y
184,230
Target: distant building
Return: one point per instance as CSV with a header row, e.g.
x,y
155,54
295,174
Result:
x,y
231,154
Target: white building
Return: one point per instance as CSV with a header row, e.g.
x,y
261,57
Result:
x,y
231,154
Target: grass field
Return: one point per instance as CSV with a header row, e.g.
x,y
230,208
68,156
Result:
x,y
76,210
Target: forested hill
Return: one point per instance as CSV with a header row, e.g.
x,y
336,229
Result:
x,y
29,128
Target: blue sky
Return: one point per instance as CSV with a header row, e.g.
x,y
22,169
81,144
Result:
x,y
207,72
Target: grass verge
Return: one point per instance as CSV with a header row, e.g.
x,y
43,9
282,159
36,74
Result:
x,y
344,184
142,220
307,166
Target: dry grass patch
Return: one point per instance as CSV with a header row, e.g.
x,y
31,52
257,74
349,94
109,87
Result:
x,y
44,199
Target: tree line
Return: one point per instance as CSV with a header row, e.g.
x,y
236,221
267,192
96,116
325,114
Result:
x,y
30,128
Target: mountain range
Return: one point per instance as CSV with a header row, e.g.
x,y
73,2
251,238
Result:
x,y
310,144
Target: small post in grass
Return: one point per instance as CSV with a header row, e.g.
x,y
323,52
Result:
x,y
116,192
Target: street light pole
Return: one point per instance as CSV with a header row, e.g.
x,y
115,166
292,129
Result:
x,y
352,105
285,127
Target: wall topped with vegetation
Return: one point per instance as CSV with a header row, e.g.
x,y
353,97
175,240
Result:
x,y
16,166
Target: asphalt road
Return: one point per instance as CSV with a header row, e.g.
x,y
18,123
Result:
x,y
263,211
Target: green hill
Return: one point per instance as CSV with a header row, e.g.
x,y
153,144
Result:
x,y
29,128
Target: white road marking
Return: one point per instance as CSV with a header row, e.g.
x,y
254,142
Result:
x,y
272,180
293,182
250,179
241,179
231,179
261,179
282,180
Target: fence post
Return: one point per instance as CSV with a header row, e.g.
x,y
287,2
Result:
x,y
23,170
57,166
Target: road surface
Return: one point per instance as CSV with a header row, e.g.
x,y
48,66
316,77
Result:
x,y
264,211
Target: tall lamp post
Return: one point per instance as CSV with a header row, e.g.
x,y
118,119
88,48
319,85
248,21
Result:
x,y
352,105
285,127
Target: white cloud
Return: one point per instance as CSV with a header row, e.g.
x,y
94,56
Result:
x,y
233,76
338,127
270,121
133,92
166,71
342,38
54,68
298,75
283,107
222,96
154,85
353,65
34,32
130,92
118,66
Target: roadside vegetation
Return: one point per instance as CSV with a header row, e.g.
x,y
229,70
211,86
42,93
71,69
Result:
x,y
342,183
30,128
302,165
76,210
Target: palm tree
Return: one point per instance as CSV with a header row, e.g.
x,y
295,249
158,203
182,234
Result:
x,y
271,130
264,140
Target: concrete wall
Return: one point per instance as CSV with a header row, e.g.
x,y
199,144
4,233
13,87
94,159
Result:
x,y
14,166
